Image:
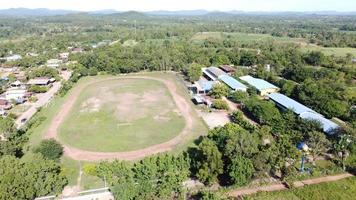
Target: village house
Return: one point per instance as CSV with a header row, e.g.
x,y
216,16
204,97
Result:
x,y
64,56
264,88
54,63
11,58
41,81
17,95
5,104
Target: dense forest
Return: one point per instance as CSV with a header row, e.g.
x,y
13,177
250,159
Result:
x,y
230,156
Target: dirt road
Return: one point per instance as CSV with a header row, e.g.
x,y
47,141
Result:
x,y
43,99
78,154
279,186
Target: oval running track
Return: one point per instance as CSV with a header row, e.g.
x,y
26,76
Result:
x,y
79,154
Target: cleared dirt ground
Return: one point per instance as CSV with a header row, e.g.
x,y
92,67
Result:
x,y
183,108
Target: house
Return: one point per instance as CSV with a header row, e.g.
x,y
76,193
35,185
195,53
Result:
x,y
203,86
54,63
212,73
5,104
64,56
12,58
233,83
40,81
227,69
15,94
30,54
264,88
284,103
77,50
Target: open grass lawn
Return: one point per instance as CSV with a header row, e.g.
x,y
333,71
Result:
x,y
121,115
330,50
72,166
340,190
251,37
243,37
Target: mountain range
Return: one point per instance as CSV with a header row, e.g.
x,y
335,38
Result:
x,y
23,12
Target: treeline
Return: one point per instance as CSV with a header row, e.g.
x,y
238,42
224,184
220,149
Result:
x,y
28,178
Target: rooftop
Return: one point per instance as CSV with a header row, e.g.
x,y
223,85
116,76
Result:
x,y
216,71
328,125
232,83
260,84
205,85
289,103
227,68
303,111
38,81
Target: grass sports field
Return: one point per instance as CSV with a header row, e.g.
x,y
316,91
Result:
x,y
71,167
121,115
343,189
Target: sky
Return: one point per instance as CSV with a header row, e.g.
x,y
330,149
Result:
x,y
151,5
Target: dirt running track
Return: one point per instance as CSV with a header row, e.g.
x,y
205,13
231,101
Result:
x,y
79,154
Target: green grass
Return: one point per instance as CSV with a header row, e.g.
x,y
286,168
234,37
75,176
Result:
x,y
343,189
121,124
331,51
252,38
72,167
243,37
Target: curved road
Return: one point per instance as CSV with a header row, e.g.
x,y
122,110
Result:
x,y
79,154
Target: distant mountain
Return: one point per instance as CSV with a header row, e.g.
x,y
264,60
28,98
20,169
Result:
x,y
34,12
179,12
20,12
129,14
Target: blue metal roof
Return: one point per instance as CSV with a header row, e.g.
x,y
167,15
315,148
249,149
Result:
x,y
206,85
232,83
260,84
289,103
303,111
328,126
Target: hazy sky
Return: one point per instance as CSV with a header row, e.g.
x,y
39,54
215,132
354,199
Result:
x,y
149,5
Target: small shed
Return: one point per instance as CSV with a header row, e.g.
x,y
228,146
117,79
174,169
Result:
x,y
41,81
227,68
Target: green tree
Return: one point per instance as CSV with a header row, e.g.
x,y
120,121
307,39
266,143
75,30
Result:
x,y
241,170
218,91
238,96
194,72
50,149
318,144
27,180
220,104
210,164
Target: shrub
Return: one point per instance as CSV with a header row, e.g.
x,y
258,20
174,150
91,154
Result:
x,y
220,104
50,149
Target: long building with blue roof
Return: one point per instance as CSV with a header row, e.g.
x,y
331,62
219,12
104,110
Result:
x,y
261,85
232,83
302,111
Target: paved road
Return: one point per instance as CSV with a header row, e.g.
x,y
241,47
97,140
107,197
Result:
x,y
43,99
